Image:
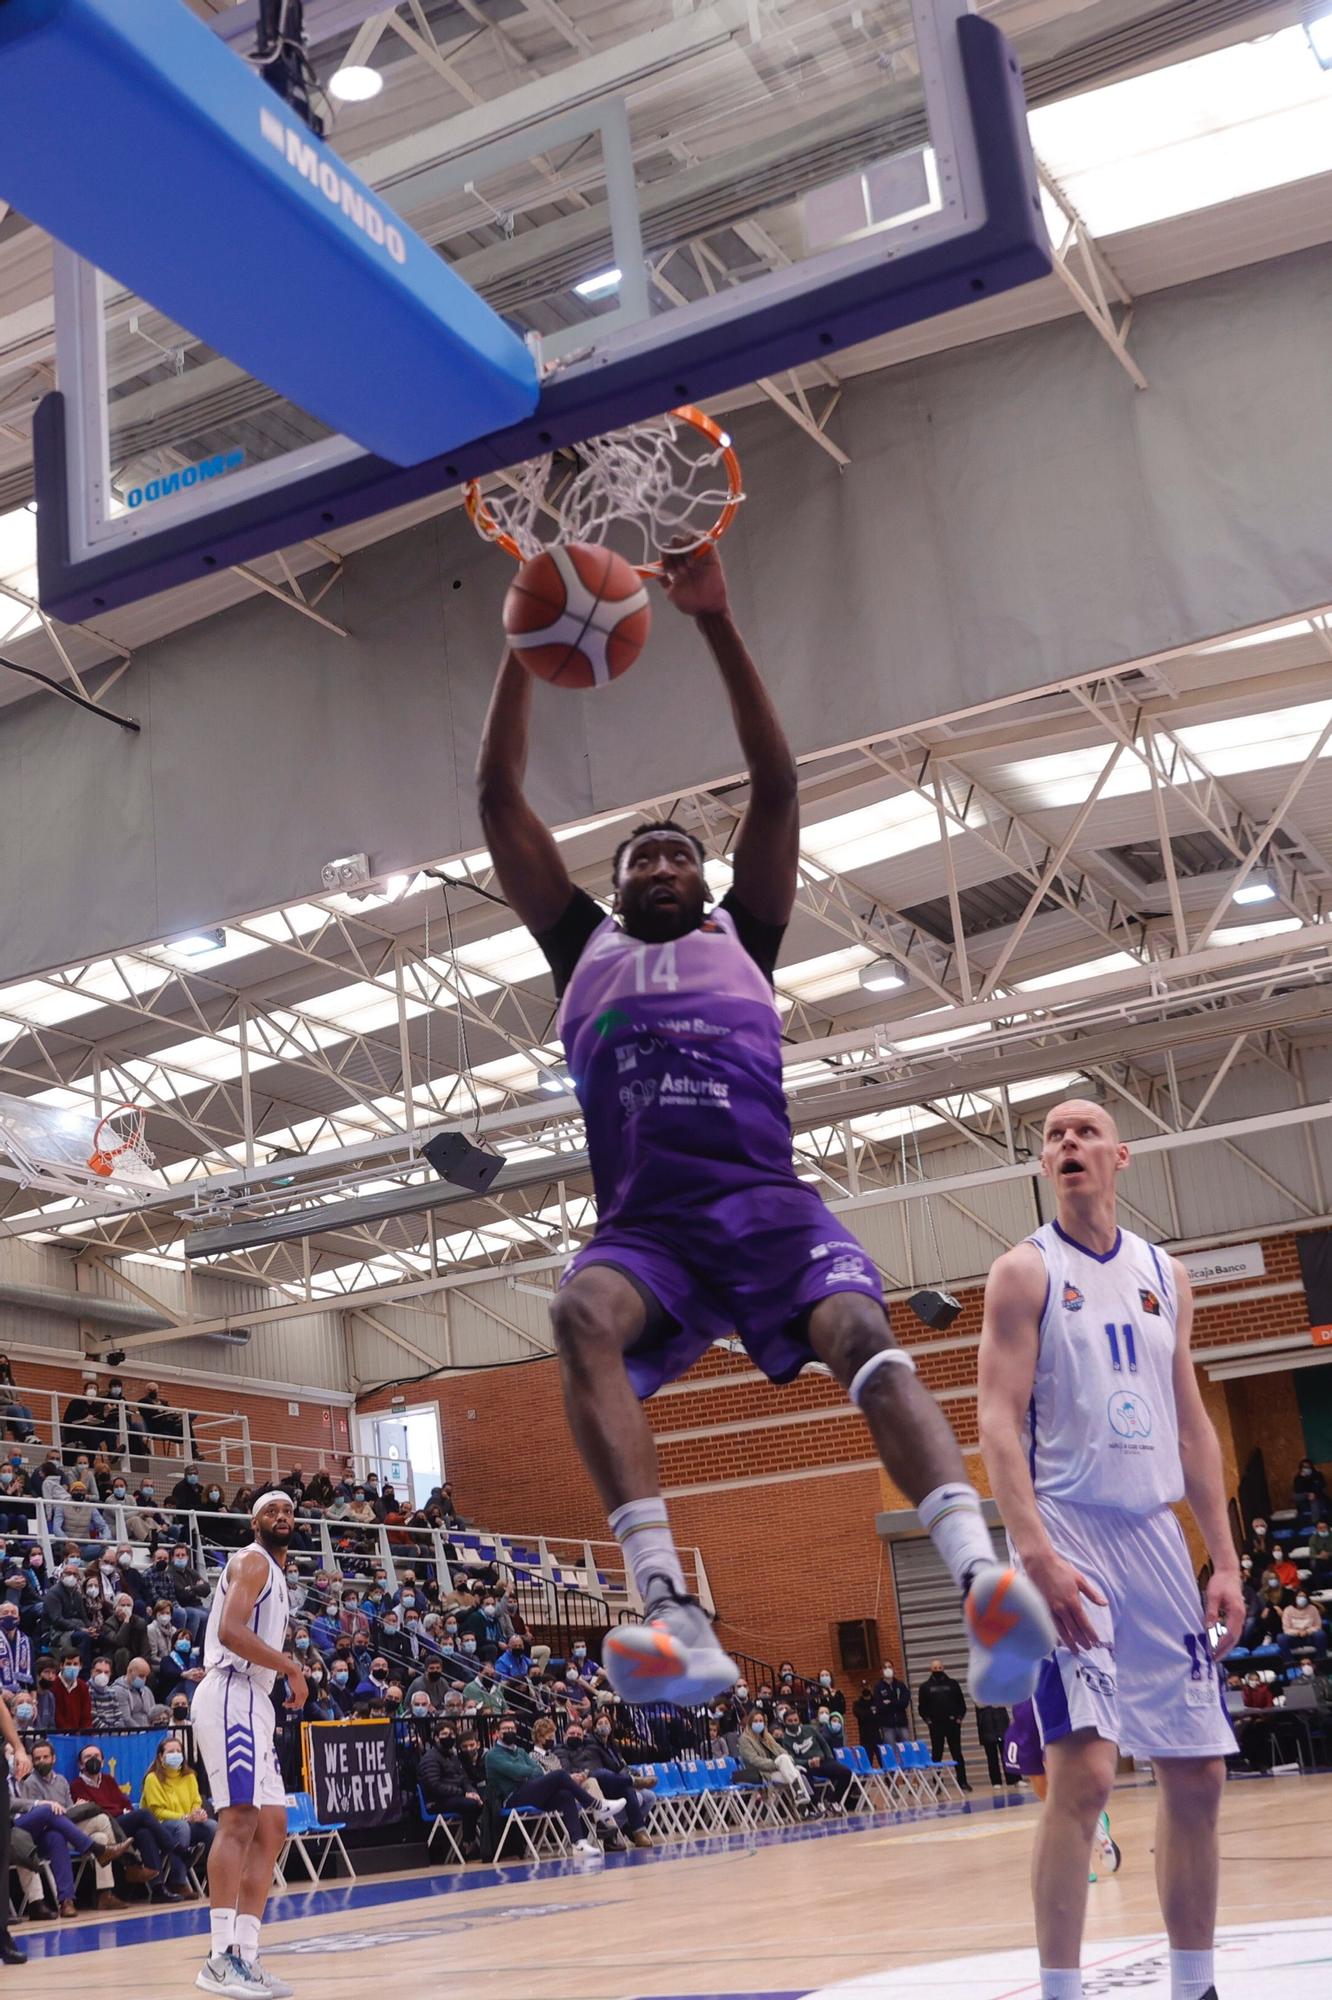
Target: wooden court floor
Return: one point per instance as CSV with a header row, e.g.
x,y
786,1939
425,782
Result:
x,y
937,1907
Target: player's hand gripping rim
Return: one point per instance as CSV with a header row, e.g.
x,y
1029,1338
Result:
x,y
1063,1587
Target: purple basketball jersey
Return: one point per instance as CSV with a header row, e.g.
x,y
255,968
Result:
x,y
675,1052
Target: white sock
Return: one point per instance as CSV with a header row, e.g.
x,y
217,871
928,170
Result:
x,y
1192,1973
951,1517
1057,1985
644,1533
247,1938
221,1931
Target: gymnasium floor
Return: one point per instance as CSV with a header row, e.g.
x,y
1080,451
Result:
x,y
886,1909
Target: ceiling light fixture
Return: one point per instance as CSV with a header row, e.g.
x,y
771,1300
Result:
x,y
198,944
882,977
600,286
355,83
1319,32
1255,891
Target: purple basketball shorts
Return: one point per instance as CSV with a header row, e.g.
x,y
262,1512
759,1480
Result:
x,y
1022,1743
753,1262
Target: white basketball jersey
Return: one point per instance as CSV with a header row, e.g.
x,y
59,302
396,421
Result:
x,y
1102,1429
269,1622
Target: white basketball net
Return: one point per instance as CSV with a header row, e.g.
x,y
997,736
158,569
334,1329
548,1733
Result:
x,y
120,1146
656,485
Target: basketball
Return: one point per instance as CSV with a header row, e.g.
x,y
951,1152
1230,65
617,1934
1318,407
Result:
x,y
577,615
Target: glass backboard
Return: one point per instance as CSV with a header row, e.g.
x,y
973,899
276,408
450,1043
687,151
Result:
x,y
665,205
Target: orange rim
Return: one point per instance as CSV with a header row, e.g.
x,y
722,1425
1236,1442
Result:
x,y
103,1157
688,413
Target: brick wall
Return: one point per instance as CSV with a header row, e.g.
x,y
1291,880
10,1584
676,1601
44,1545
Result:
x,y
777,1486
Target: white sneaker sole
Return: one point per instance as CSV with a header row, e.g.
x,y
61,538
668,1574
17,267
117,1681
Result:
x,y
1011,1631
646,1663
231,1989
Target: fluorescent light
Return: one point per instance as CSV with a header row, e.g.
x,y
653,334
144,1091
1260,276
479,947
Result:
x,y
1256,891
881,977
197,944
556,1080
600,286
1320,39
396,885
354,83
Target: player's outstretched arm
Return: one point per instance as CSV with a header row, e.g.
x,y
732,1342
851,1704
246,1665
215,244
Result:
x,y
1010,1342
247,1577
767,845
534,879
1204,1477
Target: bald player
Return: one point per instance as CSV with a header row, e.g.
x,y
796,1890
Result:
x,y
234,1725
1092,1426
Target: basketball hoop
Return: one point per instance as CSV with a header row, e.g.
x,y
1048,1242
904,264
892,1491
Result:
x,y
671,483
119,1142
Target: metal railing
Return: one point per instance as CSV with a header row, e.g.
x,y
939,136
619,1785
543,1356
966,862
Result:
x,y
220,1443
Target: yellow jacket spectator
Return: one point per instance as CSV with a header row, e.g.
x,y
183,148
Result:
x,y
171,1795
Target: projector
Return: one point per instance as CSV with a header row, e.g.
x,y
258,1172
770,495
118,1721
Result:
x,y
937,1309
456,1159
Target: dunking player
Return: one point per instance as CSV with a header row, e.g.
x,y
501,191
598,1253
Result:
x,y
234,1723
672,1034
1092,1425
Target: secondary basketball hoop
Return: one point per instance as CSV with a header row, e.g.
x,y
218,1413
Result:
x,y
118,1142
672,482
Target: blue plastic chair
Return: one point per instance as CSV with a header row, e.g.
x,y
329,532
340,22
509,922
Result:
x,y
307,1835
440,1823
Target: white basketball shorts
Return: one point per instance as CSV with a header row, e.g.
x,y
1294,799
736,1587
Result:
x,y
234,1727
1151,1685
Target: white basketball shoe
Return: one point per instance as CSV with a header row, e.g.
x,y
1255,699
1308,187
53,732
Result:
x,y
1011,1631
672,1656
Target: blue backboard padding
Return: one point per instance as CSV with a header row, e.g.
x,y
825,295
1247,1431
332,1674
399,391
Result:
x,y
131,133
676,358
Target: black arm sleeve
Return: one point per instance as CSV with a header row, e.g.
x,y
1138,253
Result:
x,y
762,941
565,941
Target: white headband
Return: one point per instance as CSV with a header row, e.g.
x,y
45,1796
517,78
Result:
x,y
267,1499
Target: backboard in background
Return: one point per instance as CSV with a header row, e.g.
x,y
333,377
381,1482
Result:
x,y
665,212
51,1147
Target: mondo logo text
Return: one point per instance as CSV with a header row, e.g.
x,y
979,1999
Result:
x,y
335,187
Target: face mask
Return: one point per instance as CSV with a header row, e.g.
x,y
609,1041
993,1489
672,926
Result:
x,y
191,1479
469,1645
94,1596
451,1629
118,1493
173,1759
101,1680
390,1626
580,1652
69,1675
488,1610
742,1692
163,1619
36,1561
183,1649
6,1480
379,1673
825,1680
349,1604
180,1562
213,1493
302,1645
413,1623
508,1741
408,1600
421,1709
71,1577
603,1731
758,1725
124,1610
340,1680
834,1723
147,1491
571,1679
43,1770
25,1712
1301,1601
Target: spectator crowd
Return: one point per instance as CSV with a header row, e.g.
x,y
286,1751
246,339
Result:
x,y
102,1617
